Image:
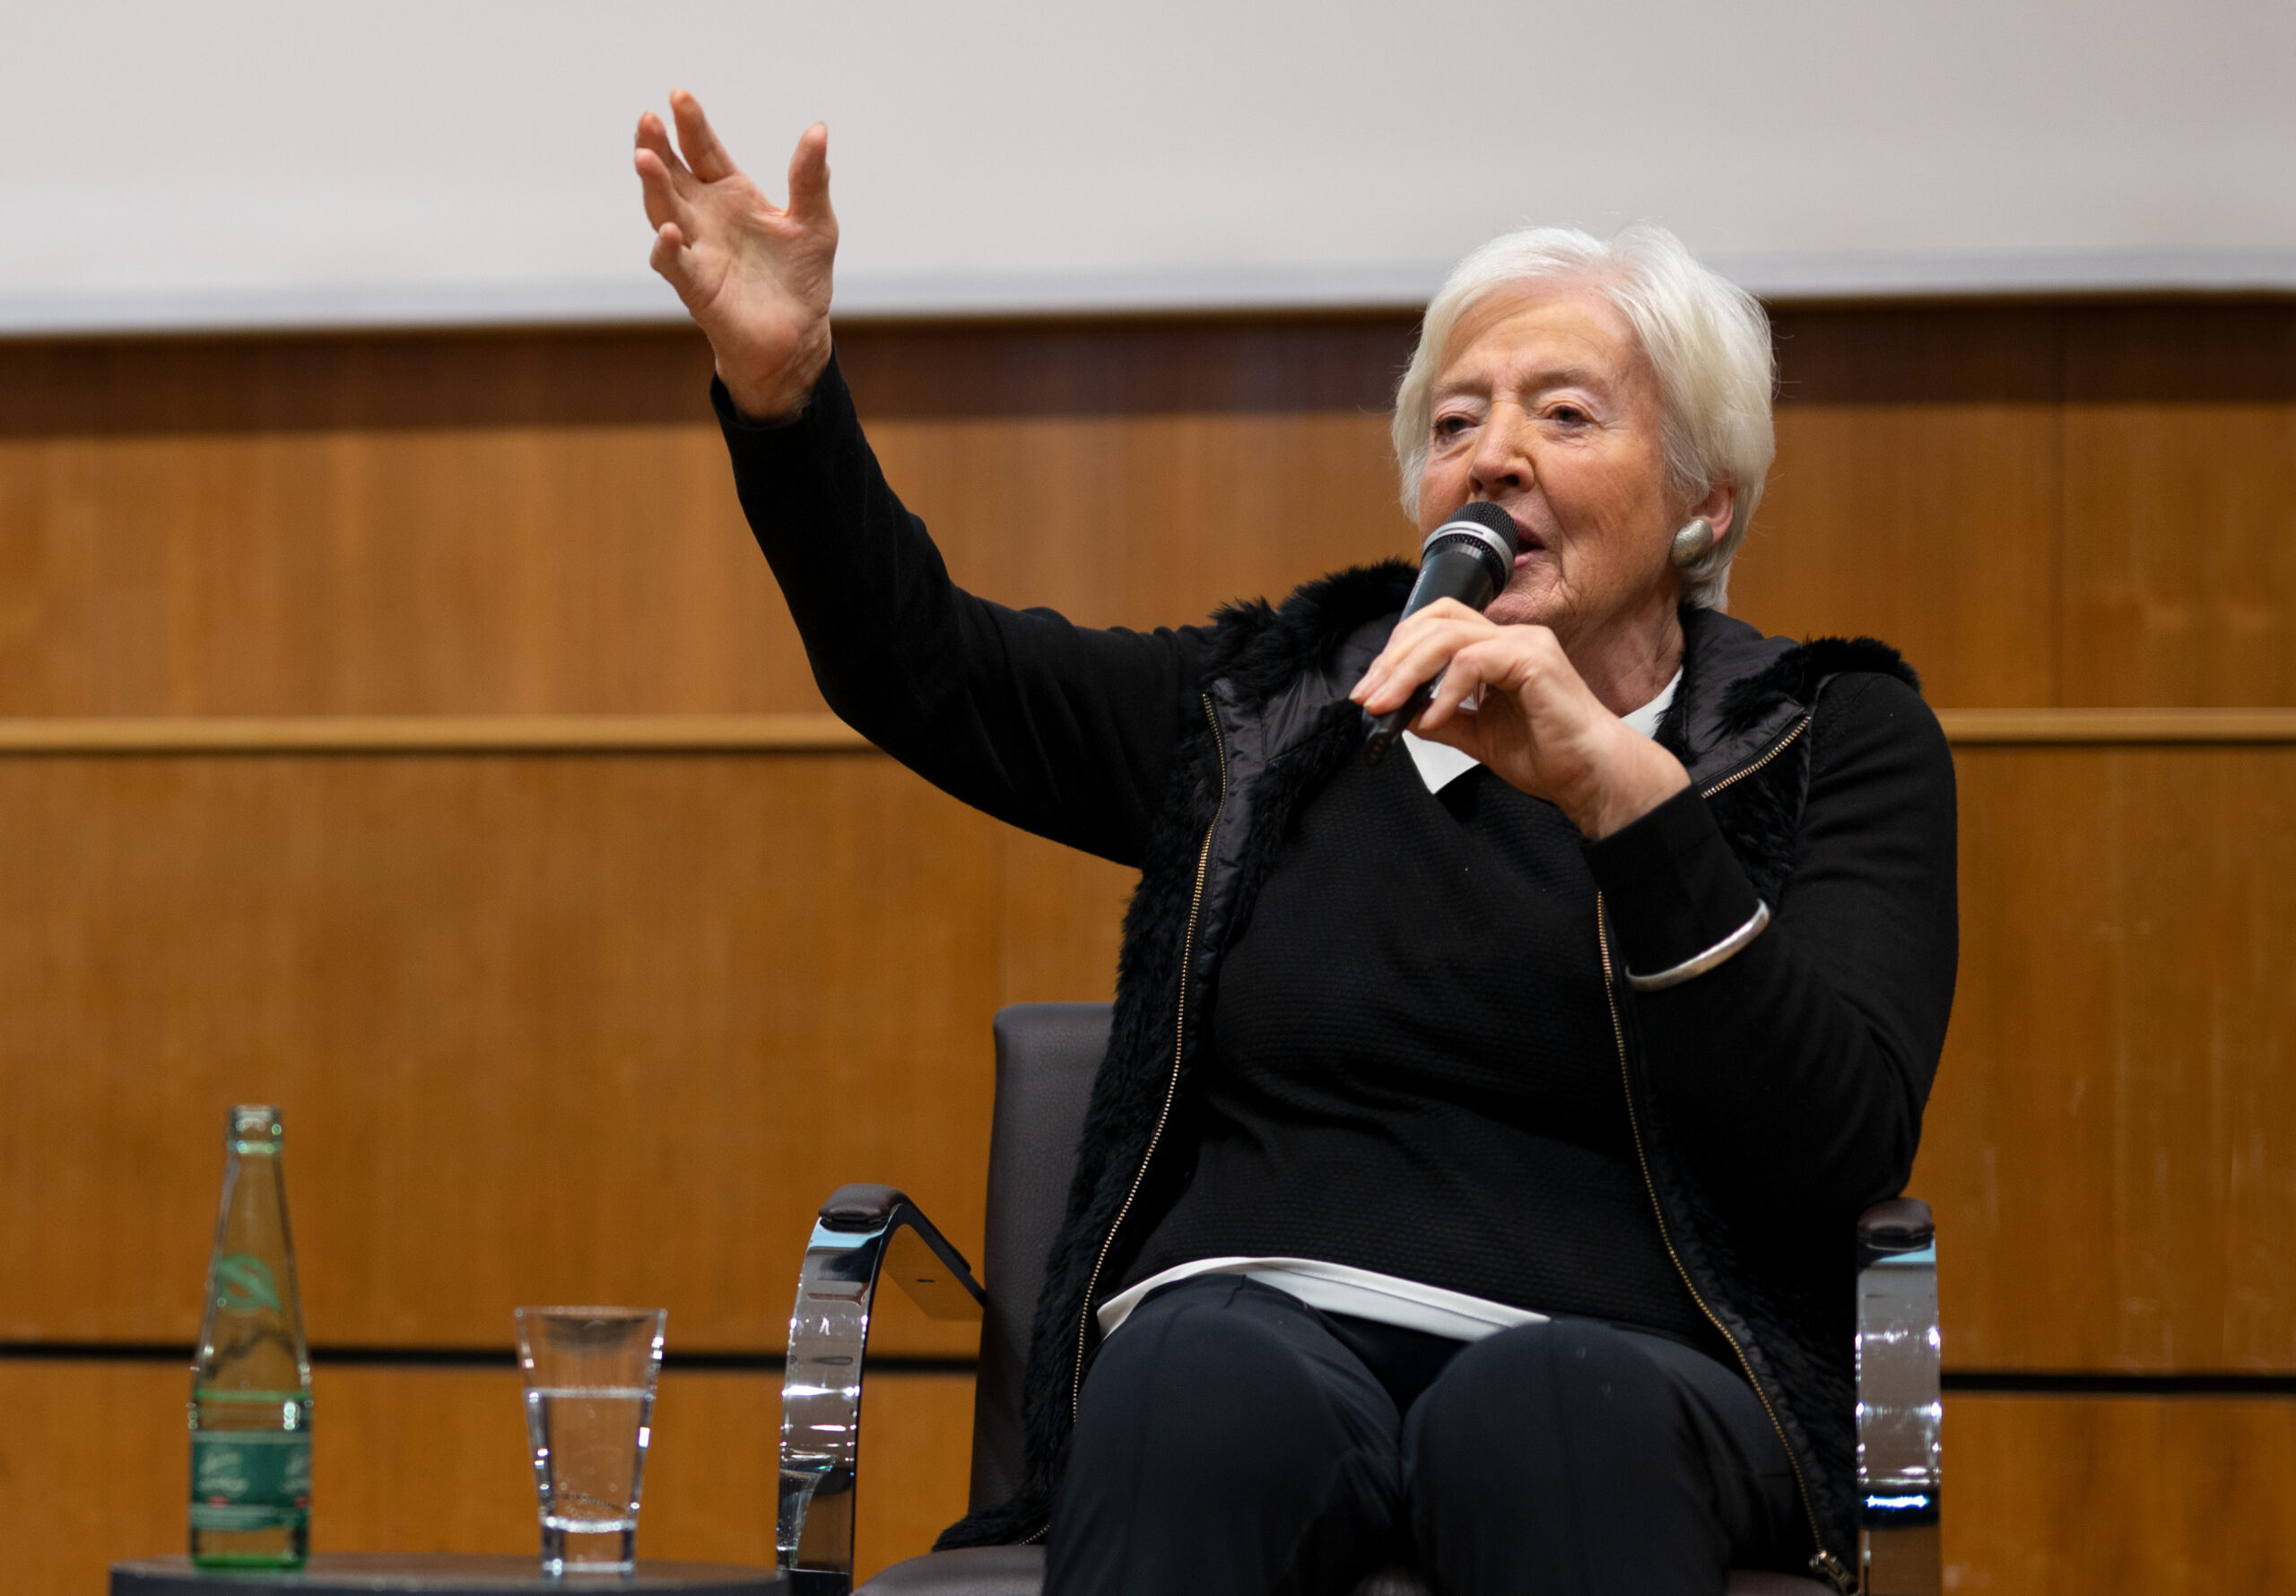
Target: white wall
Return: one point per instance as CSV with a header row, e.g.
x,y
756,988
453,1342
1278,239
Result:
x,y
301,162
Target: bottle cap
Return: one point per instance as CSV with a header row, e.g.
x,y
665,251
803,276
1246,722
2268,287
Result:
x,y
254,1128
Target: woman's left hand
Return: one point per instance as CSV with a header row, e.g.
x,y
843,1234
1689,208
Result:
x,y
1536,723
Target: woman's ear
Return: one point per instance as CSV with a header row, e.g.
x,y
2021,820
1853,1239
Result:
x,y
1720,503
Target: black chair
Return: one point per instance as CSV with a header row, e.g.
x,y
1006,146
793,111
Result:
x,y
1046,1057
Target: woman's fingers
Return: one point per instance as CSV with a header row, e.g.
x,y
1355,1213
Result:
x,y
663,203
1536,723
1467,674
682,181
809,175
1438,655
654,137
668,257
1475,655
698,140
1419,648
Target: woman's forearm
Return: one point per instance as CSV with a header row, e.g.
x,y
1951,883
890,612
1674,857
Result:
x,y
1795,1069
1064,730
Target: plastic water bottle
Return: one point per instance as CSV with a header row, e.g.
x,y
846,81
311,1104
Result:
x,y
251,1379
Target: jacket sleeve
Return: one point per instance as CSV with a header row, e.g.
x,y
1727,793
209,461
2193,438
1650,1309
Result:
x,y
1066,731
1793,1075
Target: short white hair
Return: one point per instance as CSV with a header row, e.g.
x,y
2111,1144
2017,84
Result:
x,y
1708,338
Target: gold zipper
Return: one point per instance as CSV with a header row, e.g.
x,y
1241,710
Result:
x,y
1171,1085
1822,1560
1775,749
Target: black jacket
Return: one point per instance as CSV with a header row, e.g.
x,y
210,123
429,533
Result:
x,y
1773,1098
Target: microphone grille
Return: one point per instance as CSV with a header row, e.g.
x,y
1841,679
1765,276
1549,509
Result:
x,y
1487,516
1483,529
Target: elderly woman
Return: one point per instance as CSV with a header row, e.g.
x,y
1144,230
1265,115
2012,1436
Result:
x,y
1472,1175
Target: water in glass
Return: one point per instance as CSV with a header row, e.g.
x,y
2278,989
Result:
x,y
589,1461
589,1381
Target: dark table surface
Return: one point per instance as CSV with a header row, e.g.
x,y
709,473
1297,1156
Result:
x,y
438,1573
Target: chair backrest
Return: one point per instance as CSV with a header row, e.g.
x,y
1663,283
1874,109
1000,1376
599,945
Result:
x,y
1047,1055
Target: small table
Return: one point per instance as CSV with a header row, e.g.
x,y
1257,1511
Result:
x,y
441,1573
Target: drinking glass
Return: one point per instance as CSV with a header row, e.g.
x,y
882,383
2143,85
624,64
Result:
x,y
591,1375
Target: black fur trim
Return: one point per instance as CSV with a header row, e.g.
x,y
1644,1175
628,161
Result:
x,y
1797,673
1259,651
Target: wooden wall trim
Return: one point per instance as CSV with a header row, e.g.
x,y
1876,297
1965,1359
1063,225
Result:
x,y
2175,350
809,734
2092,726
428,733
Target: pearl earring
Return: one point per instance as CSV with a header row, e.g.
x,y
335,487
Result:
x,y
1692,544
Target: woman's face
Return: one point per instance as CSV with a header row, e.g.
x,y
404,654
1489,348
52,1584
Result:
x,y
1546,405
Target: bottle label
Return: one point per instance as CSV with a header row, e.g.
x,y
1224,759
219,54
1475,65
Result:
x,y
243,1284
250,1479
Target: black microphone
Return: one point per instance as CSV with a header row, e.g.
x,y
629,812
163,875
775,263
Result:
x,y
1469,558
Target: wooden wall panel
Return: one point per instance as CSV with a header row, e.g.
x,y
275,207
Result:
x,y
1148,520
476,523
94,1460
575,569
565,377
2119,1495
392,946
1061,917
2164,497
1096,366
546,523
2169,351
544,1029
1930,527
2111,1148
94,1466
2180,553
607,570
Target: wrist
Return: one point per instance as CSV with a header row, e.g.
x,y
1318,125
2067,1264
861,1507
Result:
x,y
1637,778
1681,904
780,394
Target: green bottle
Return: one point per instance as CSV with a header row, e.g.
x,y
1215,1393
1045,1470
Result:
x,y
251,1379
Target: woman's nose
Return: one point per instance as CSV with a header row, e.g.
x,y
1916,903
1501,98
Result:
x,y
1501,460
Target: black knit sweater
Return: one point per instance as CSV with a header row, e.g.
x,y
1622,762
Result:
x,y
1416,1068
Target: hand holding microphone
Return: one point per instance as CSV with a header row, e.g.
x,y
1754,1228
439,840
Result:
x,y
1468,557
1538,727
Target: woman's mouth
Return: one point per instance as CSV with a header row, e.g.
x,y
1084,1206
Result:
x,y
1527,542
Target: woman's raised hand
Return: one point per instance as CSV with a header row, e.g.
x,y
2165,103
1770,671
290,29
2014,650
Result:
x,y
754,276
1536,723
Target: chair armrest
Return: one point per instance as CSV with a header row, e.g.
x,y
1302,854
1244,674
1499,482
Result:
x,y
932,1272
1900,1225
862,1231
1900,1408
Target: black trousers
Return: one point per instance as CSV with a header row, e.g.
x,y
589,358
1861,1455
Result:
x,y
1233,1440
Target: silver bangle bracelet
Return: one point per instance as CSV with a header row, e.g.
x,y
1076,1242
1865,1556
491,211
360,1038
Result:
x,y
1698,963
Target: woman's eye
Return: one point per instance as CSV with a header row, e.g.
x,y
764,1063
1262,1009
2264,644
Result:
x,y
1450,426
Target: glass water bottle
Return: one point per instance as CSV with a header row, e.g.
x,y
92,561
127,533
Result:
x,y
251,1378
